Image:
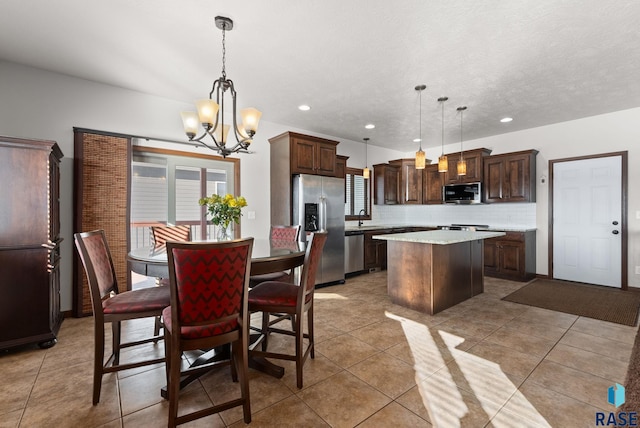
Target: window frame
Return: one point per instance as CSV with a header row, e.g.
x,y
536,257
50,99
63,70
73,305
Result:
x,y
357,172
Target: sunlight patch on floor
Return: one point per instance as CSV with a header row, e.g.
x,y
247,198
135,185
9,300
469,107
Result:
x,y
459,388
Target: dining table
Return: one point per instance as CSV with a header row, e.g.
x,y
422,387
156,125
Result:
x,y
267,256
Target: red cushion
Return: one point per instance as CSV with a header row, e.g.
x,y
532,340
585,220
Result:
x,y
272,293
200,331
144,299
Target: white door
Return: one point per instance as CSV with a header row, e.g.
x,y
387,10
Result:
x,y
587,217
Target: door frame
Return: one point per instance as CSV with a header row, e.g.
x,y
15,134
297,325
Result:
x,y
623,209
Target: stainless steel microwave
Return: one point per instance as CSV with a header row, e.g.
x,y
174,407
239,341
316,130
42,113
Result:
x,y
467,193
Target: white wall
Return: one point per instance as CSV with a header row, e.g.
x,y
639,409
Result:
x,y
40,104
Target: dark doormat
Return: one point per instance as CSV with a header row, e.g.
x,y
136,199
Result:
x,y
593,301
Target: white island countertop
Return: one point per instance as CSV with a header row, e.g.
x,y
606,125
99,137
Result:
x,y
439,237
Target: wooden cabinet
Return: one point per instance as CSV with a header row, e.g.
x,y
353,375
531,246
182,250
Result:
x,y
386,184
29,242
375,250
312,155
410,181
512,256
432,182
292,153
474,160
510,177
341,166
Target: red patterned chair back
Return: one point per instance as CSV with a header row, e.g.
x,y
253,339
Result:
x,y
96,258
312,258
209,283
285,233
162,234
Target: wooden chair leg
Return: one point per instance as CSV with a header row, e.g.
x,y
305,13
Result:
x,y
241,356
98,362
115,334
299,334
173,385
310,328
265,330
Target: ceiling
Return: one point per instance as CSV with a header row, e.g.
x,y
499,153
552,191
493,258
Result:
x,y
354,62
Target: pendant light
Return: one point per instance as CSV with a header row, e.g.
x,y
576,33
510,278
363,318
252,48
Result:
x,y
365,171
462,165
420,157
443,162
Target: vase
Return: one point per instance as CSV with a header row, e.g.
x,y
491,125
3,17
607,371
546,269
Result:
x,y
224,233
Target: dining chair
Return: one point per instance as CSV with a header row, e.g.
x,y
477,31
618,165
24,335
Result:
x,y
293,300
160,235
111,306
278,234
209,290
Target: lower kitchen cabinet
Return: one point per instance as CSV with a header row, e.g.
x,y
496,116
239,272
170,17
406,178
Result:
x,y
512,256
375,250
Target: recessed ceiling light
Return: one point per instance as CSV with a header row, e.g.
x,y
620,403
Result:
x,y
304,107
417,140
506,119
370,126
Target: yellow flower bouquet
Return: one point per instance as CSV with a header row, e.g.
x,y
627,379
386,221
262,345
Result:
x,y
224,209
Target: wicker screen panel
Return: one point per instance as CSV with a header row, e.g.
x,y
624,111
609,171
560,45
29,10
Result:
x,y
102,170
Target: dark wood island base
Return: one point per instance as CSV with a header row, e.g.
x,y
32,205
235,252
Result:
x,y
432,271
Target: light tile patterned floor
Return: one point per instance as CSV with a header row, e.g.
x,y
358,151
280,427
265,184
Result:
x,y
484,362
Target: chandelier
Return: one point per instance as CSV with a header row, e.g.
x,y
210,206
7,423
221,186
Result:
x,y
420,156
211,113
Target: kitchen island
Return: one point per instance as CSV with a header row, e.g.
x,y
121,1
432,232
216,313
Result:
x,y
432,271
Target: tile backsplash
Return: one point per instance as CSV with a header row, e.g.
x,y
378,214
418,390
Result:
x,y
506,214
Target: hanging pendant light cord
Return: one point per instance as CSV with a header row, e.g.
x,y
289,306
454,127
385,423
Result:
x,y
442,103
420,119
224,52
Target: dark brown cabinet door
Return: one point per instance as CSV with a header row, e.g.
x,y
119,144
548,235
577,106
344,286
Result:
x,y
491,256
432,182
386,184
474,160
325,159
302,154
510,177
511,256
313,156
410,184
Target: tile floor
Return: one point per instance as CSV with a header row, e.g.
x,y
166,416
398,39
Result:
x,y
484,362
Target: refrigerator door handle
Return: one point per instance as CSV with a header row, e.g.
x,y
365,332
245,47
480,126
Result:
x,y
323,214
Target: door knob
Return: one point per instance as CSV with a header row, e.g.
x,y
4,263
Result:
x,y
615,232
615,223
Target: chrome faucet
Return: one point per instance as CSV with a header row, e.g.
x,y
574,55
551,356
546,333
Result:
x,y
360,216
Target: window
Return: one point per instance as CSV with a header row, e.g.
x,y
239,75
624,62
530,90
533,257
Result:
x,y
357,195
166,186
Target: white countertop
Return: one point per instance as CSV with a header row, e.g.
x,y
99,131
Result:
x,y
440,237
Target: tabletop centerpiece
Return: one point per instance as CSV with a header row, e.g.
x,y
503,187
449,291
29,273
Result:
x,y
224,210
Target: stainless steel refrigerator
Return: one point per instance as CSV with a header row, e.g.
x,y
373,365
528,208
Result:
x,y
318,206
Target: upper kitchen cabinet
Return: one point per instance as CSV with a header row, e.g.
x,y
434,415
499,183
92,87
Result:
x,y
341,166
386,183
510,177
307,154
432,182
410,183
292,153
474,159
